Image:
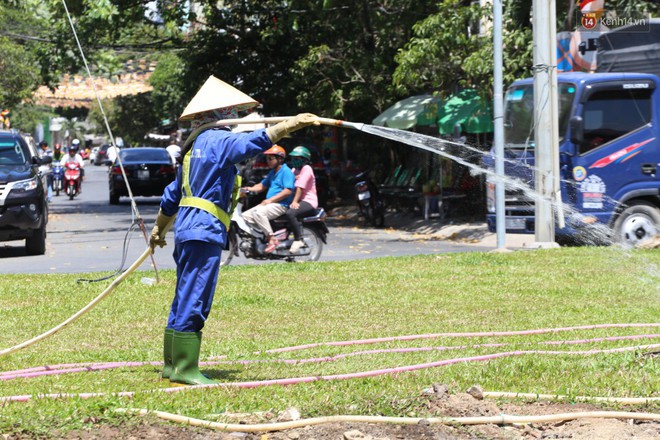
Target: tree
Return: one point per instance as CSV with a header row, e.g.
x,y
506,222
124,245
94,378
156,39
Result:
x,y
447,51
108,31
440,58
129,117
331,57
347,71
18,79
169,86
19,66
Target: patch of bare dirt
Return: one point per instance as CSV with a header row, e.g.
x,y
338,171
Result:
x,y
437,402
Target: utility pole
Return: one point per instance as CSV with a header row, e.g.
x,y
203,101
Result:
x,y
546,117
498,114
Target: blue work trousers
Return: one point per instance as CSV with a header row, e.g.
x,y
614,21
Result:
x,y
198,264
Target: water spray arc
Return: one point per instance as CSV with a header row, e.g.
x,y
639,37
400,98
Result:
x,y
417,140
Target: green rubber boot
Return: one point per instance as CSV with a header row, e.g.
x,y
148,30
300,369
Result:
x,y
167,353
185,359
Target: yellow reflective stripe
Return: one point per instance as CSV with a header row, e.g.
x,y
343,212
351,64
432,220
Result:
x,y
236,192
198,202
205,205
186,171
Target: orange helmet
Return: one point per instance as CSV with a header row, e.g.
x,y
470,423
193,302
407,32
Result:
x,y
276,150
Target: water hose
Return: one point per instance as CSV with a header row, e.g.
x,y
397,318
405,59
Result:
x,y
269,120
502,419
49,370
344,376
146,254
84,310
533,396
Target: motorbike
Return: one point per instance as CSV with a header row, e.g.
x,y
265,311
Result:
x,y
369,200
72,178
252,242
58,175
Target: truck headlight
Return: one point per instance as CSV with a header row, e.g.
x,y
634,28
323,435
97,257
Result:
x,y
25,185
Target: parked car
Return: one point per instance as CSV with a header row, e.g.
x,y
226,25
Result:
x,y
148,170
101,157
23,205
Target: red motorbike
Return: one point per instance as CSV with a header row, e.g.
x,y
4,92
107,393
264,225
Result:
x,y
72,178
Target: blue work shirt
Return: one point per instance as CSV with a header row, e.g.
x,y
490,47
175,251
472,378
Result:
x,y
276,182
211,176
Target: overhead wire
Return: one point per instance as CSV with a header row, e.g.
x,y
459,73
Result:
x,y
135,214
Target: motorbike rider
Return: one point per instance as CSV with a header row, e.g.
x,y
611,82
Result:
x,y
57,152
74,156
280,183
305,200
44,151
200,198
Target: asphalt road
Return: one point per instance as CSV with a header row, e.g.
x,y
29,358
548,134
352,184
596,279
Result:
x,y
88,234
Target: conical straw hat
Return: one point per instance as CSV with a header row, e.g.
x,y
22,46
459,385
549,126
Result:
x,y
216,94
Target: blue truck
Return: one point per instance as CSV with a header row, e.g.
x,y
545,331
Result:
x,y
609,154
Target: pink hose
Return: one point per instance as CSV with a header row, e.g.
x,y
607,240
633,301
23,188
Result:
x,y
308,379
75,368
459,335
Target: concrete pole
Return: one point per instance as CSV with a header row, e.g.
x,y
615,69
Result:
x,y
545,114
498,113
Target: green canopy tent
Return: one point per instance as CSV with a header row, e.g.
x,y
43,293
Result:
x,y
467,109
420,110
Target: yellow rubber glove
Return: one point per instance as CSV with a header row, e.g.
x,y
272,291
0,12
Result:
x,y
157,237
280,130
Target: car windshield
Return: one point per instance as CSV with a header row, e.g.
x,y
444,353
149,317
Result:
x,y
519,114
145,155
11,152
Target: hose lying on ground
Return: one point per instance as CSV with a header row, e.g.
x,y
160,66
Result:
x,y
82,311
619,400
147,252
502,419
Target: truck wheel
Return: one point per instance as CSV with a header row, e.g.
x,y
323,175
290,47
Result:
x,y
114,199
639,222
36,245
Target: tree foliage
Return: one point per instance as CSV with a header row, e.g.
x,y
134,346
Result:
x,y
453,49
129,117
331,57
109,31
169,86
339,58
19,67
347,70
18,79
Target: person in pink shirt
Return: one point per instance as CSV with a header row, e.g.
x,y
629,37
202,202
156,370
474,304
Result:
x,y
305,200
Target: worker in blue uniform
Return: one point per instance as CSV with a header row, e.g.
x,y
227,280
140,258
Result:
x,y
200,198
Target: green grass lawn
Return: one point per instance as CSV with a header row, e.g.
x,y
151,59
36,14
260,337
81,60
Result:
x,y
258,308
